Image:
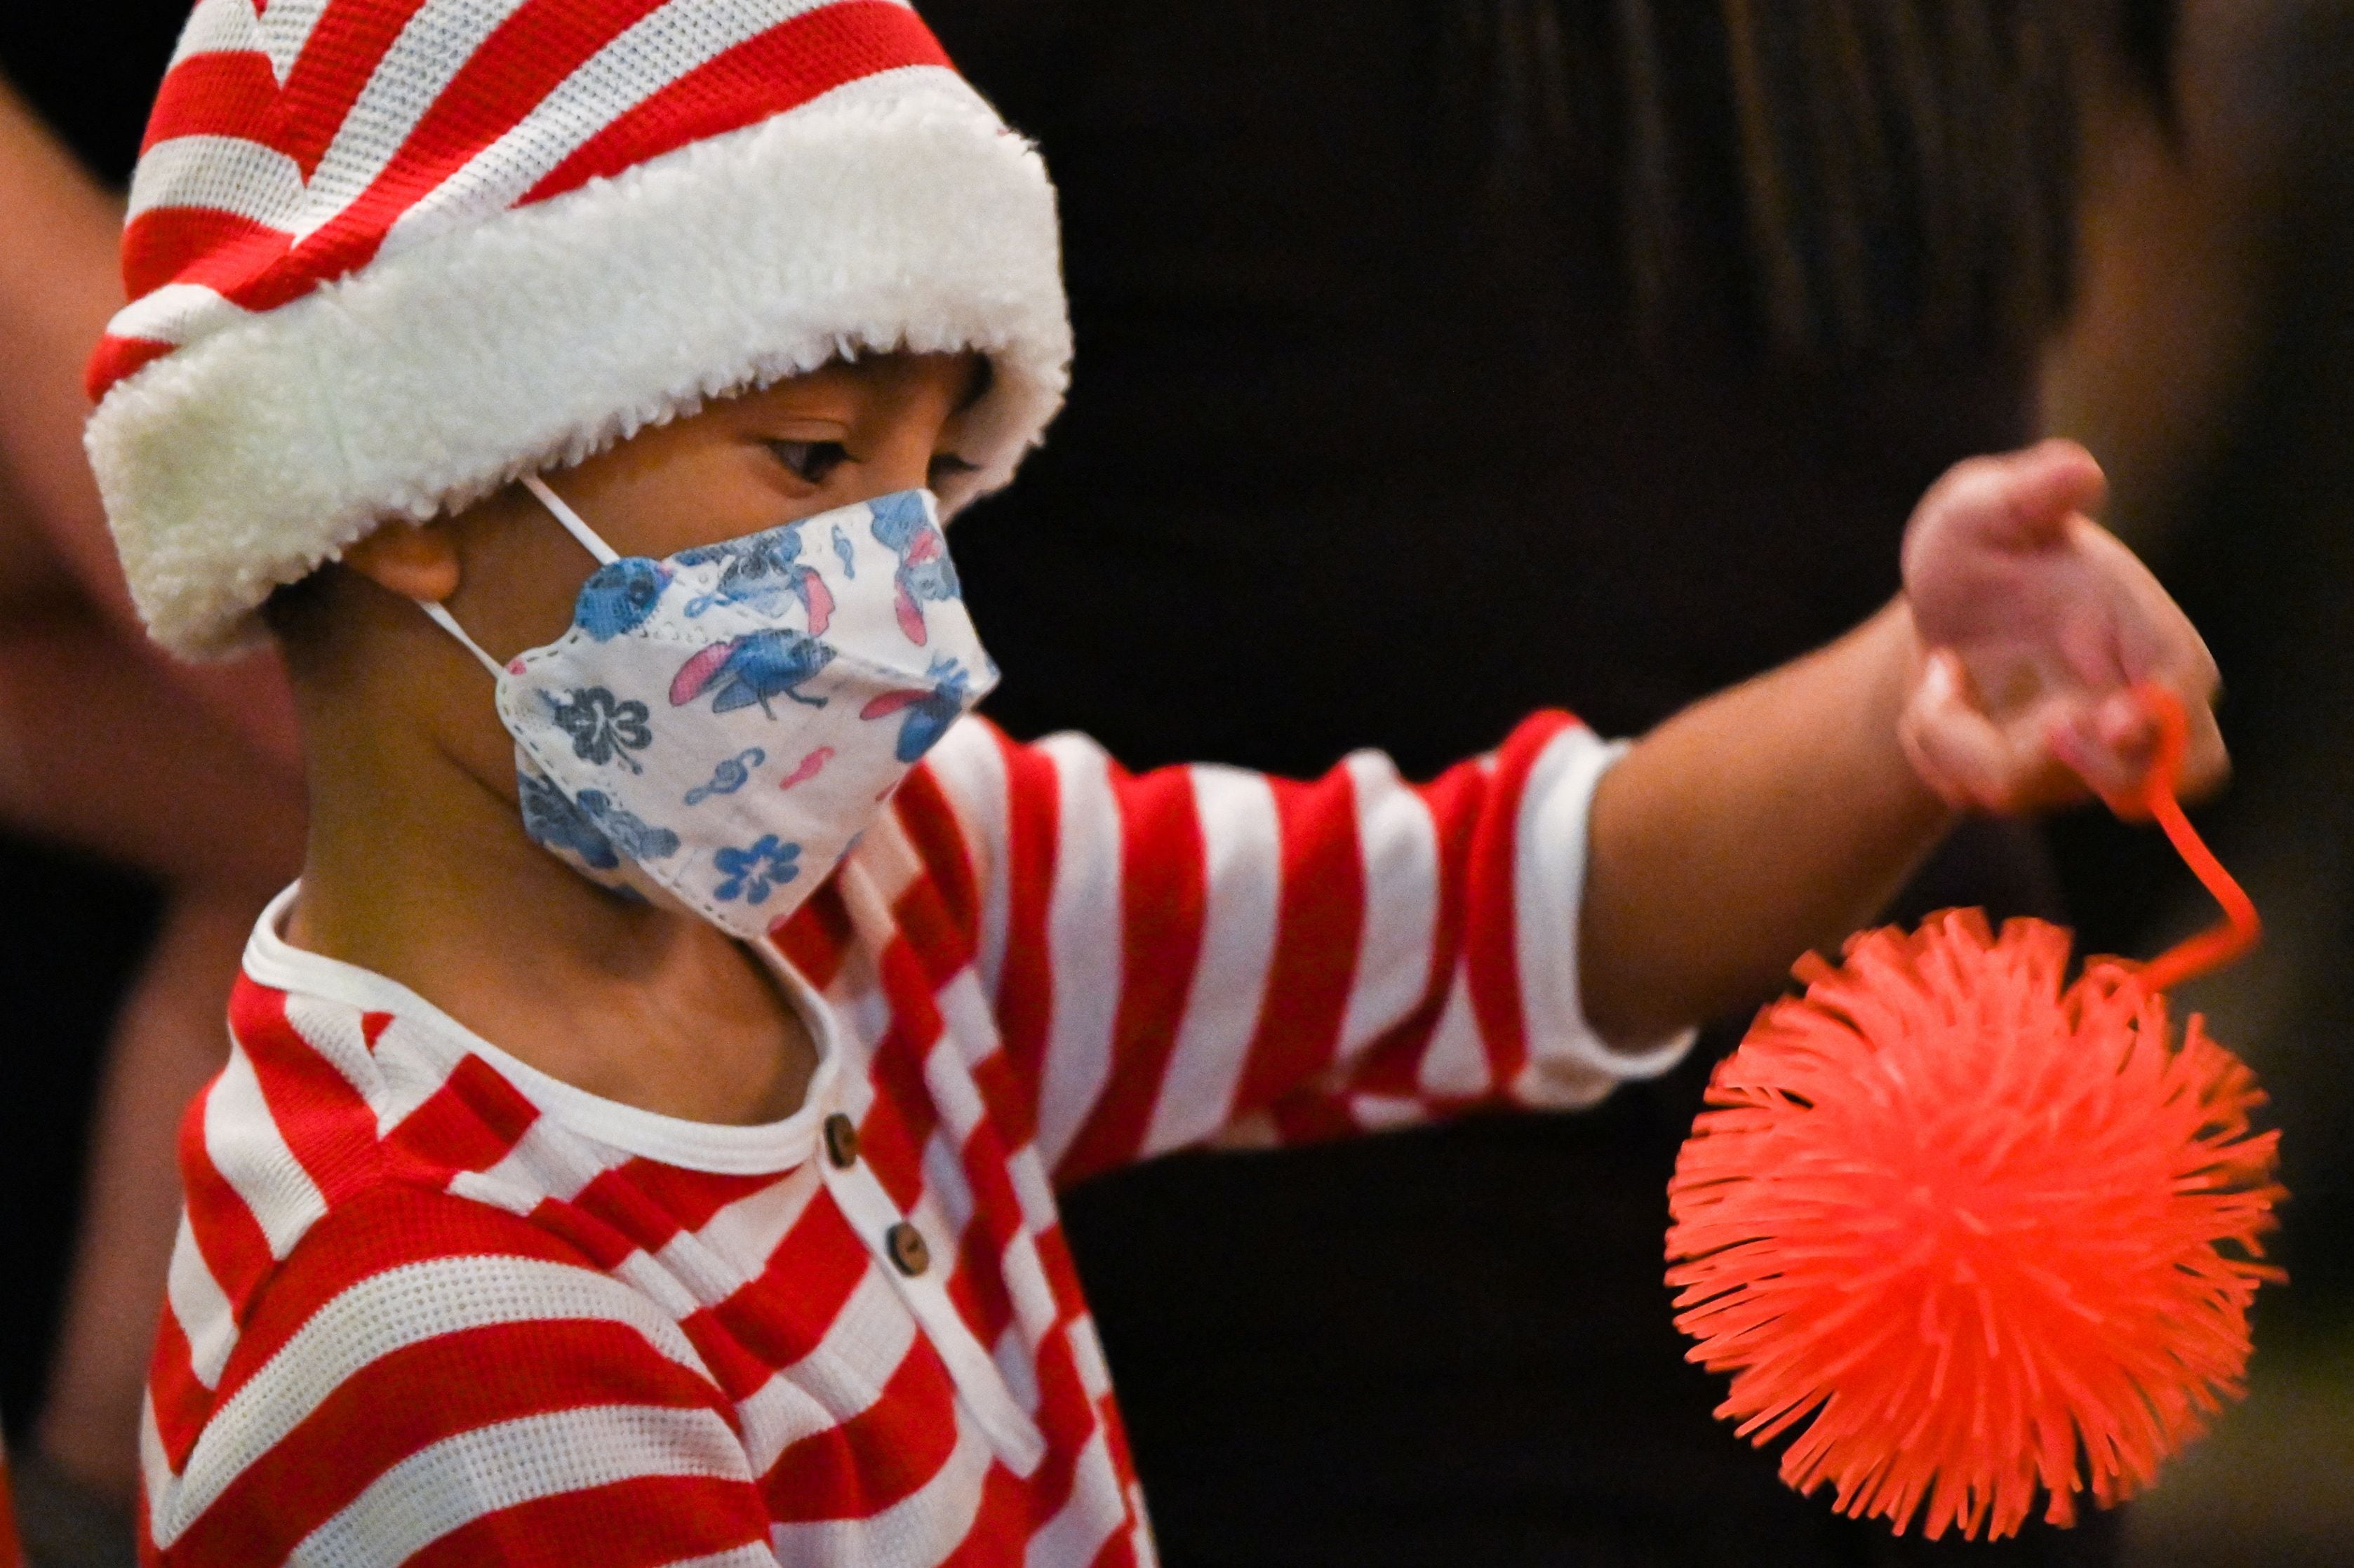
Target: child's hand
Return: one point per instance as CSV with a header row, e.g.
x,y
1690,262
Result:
x,y
2034,623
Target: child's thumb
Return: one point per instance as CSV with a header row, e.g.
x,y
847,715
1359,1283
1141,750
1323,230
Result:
x,y
2020,499
2040,488
1956,749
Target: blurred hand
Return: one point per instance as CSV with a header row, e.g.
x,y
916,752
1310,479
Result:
x,y
2035,623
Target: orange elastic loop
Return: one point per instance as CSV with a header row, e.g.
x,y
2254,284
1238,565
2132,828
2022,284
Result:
x,y
2210,949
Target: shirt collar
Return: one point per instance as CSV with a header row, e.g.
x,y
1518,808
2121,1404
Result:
x,y
713,1147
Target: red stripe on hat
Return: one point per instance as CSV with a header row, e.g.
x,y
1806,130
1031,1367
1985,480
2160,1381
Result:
x,y
116,357
198,245
782,68
216,94
527,57
508,75
343,52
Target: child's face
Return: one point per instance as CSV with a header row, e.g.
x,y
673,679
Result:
x,y
846,433
510,573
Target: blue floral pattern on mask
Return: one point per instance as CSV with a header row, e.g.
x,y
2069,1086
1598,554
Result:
x,y
618,596
751,871
626,833
551,819
845,553
603,728
924,574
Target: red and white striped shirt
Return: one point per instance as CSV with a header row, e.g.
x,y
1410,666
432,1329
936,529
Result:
x,y
431,1304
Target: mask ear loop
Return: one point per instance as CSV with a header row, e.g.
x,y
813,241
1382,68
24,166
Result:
x,y
2155,796
439,615
606,554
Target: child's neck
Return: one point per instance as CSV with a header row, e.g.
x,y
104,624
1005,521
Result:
x,y
420,872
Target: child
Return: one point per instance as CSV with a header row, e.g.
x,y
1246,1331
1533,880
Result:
x,y
641,1137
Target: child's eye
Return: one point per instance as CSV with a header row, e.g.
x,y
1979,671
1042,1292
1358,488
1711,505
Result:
x,y
811,460
948,465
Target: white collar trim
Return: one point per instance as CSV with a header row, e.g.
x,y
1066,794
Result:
x,y
713,1147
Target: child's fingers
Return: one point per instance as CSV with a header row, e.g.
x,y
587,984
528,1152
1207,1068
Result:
x,y
1972,762
2106,744
2109,742
2053,480
2112,744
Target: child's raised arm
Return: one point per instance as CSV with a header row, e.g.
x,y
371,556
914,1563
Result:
x,y
1200,952
1778,815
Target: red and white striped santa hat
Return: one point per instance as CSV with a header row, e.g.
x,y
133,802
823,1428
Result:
x,y
384,256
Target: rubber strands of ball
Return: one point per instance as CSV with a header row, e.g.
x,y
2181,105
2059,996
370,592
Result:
x,y
1975,1235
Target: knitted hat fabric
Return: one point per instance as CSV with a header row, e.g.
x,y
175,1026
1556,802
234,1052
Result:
x,y
386,256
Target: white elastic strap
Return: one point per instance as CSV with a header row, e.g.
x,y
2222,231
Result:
x,y
606,554
449,623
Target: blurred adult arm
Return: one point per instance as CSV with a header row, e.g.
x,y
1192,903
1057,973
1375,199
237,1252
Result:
x,y
188,775
59,285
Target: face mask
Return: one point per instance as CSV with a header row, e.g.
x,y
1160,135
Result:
x,y
717,728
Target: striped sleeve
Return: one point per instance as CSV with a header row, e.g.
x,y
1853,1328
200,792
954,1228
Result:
x,y
1202,954
430,1380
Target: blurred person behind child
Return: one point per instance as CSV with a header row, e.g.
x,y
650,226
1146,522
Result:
x,y
107,749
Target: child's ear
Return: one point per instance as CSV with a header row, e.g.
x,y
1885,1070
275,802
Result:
x,y
415,560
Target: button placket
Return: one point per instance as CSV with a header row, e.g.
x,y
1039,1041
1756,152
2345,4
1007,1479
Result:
x,y
897,1242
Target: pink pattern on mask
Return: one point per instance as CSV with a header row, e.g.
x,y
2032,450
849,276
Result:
x,y
810,767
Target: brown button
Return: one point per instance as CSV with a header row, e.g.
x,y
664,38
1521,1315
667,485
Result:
x,y
906,1244
840,1140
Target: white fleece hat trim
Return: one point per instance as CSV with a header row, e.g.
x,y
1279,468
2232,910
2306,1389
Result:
x,y
893,213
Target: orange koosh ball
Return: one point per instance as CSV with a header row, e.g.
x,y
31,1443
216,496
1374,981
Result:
x,y
1976,1235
